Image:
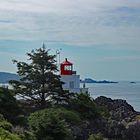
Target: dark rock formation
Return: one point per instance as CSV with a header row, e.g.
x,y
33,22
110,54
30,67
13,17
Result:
x,y
132,131
122,123
113,104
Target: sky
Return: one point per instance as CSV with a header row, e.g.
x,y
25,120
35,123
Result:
x,y
101,38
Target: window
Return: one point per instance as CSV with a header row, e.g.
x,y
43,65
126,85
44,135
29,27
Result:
x,y
67,67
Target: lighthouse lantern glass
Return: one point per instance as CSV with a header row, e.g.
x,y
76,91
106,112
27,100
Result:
x,y
67,67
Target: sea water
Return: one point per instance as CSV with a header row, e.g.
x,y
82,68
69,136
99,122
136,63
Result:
x,y
122,90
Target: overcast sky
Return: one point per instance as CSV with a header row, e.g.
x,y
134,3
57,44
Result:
x,y
101,38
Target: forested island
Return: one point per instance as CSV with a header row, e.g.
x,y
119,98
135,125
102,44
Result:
x,y
5,77
45,111
89,80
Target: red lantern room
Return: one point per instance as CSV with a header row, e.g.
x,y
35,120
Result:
x,y
66,68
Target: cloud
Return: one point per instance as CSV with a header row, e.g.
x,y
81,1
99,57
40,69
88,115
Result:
x,y
73,22
63,5
120,58
5,21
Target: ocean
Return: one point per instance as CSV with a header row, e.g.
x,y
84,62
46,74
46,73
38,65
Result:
x,y
122,90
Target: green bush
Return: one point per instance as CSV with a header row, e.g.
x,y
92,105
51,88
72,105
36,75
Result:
x,y
85,105
6,135
23,133
8,105
103,111
96,137
6,130
4,124
49,124
69,116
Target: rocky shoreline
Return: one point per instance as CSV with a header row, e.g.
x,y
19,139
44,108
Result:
x,y
122,122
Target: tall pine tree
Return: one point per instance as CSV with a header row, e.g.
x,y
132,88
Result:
x,y
39,81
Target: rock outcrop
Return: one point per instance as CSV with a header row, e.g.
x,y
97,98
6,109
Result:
x,y
122,123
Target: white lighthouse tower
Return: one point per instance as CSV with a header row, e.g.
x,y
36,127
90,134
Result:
x,y
70,78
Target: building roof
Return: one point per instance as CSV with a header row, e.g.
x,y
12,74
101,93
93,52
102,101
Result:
x,y
66,62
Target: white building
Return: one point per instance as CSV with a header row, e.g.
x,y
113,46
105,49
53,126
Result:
x,y
70,78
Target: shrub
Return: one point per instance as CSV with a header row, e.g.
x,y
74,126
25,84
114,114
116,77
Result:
x,y
49,125
4,124
103,111
85,105
69,116
6,135
6,130
24,134
8,105
96,137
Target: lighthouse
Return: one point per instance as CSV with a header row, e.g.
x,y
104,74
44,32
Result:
x,y
70,78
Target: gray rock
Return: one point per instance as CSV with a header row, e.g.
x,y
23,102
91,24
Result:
x,y
132,131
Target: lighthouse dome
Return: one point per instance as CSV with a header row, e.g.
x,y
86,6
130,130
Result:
x,y
66,68
66,62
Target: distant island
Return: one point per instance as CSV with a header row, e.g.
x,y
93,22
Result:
x,y
5,77
89,80
133,82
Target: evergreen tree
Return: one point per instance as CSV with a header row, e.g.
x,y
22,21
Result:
x,y
9,107
39,81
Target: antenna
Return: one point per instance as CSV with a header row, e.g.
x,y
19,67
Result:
x,y
58,54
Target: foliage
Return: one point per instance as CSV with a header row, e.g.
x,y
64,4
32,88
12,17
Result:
x,y
85,105
4,124
62,98
104,112
8,105
23,133
5,130
39,81
96,137
6,135
69,116
49,124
